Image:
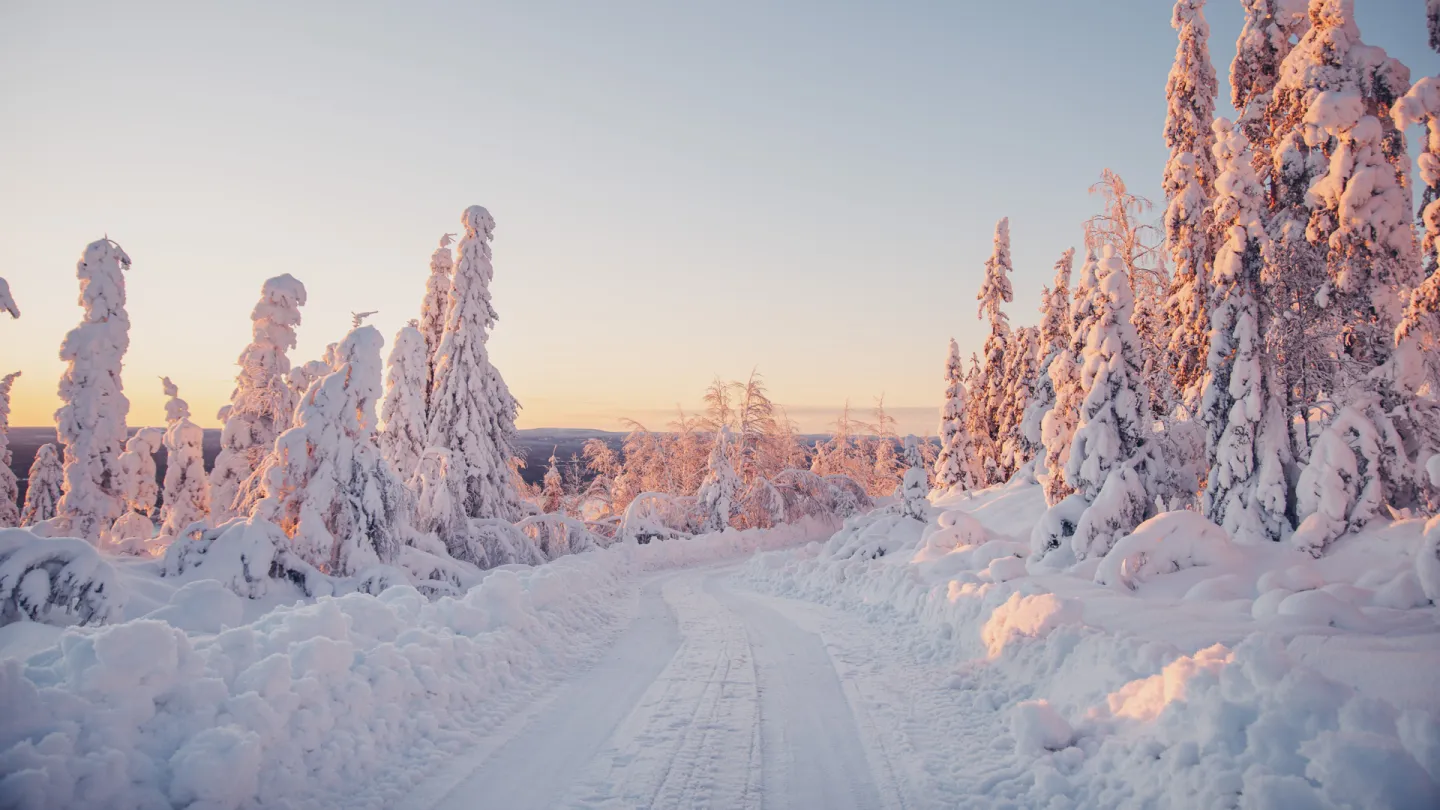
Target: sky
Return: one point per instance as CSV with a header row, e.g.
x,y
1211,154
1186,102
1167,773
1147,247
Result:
x,y
682,190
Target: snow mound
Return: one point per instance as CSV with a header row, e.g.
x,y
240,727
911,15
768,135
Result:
x,y
1168,542
56,580
1038,728
1028,617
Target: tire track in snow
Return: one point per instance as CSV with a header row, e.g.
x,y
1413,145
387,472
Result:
x,y
809,733
539,753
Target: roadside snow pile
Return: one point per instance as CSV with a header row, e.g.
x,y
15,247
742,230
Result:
x,y
192,706
1179,670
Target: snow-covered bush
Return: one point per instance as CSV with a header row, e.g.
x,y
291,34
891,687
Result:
x,y
956,465
55,580
655,516
499,542
91,418
261,405
557,535
43,487
245,555
1340,490
1168,542
915,486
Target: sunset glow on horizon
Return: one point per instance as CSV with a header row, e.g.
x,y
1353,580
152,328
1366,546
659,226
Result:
x,y
639,253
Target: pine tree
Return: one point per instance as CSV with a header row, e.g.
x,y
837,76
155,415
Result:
x,y
1054,338
956,465
989,393
719,493
9,488
326,484
915,485
262,404
43,488
1058,426
434,308
1189,185
553,495
1114,429
402,437
91,418
187,489
1246,493
472,413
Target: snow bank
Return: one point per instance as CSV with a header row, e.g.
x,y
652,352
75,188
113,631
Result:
x,y
190,706
1278,680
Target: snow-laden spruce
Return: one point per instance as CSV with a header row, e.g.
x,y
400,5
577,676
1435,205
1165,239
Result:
x,y
472,414
719,493
91,419
1245,441
1054,336
552,493
1058,426
989,394
131,533
9,488
434,309
915,485
956,466
187,488
1113,430
402,434
44,486
262,403
1189,185
326,484
1264,42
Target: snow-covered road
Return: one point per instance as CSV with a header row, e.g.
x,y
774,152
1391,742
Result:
x,y
713,696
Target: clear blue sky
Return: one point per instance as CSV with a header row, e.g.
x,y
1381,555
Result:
x,y
682,189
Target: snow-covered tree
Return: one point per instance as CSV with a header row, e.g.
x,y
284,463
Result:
x,y
132,531
43,487
9,488
262,403
552,497
1421,106
402,436
956,465
1057,428
719,493
1342,172
915,486
439,506
1264,42
326,484
472,413
434,308
1114,429
187,489
91,418
1054,338
989,393
1246,493
1341,489
1189,184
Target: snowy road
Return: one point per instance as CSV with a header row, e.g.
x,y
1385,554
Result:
x,y
713,697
